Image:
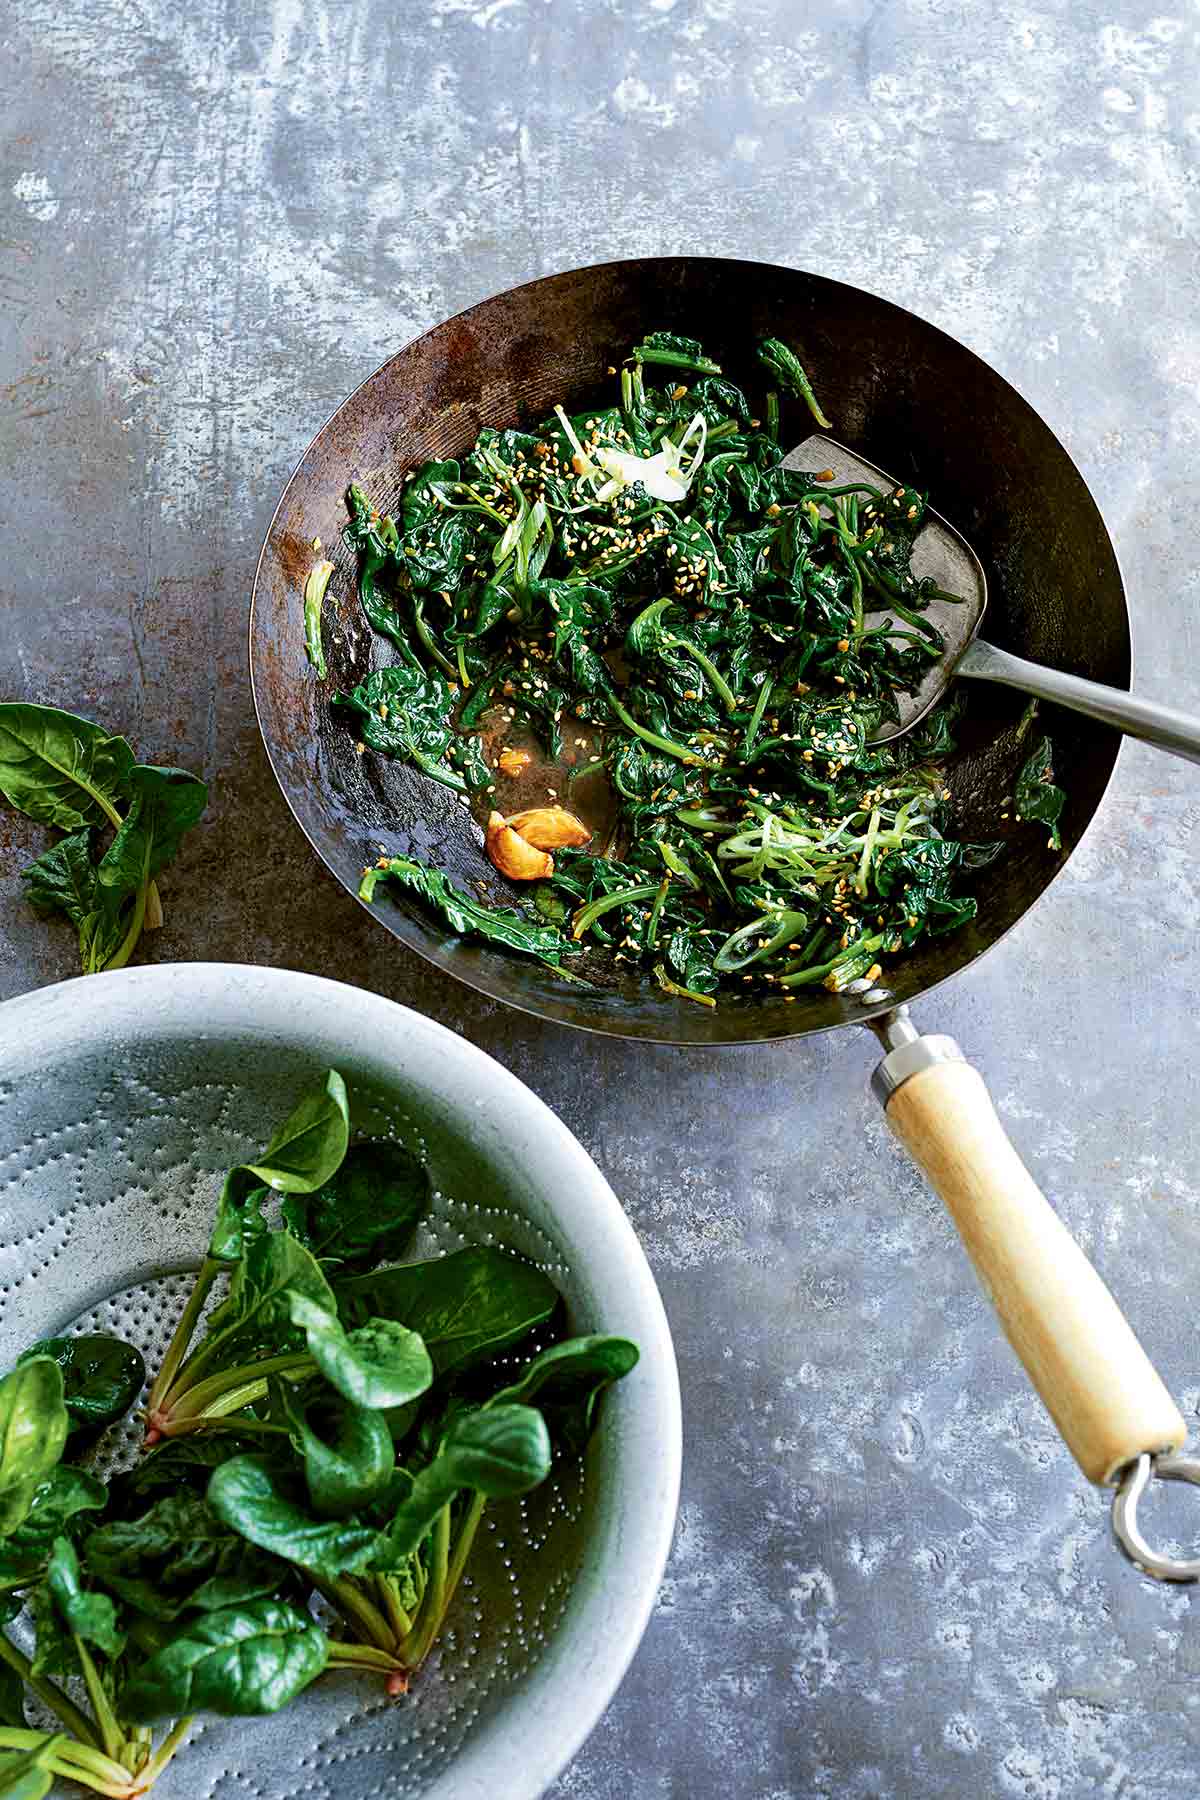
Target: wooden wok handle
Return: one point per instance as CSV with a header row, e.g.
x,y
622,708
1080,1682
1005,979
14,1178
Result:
x,y
1097,1382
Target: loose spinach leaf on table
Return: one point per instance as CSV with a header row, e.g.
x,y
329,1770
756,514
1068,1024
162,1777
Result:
x,y
466,1306
60,769
66,771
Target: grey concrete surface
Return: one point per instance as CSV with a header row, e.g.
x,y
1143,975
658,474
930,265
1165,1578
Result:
x,y
889,1579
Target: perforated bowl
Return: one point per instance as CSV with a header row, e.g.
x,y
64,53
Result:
x,y
123,1099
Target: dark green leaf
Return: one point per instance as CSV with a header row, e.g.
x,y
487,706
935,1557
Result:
x,y
86,1615
381,1363
240,1662
405,711
305,1153
183,1462
65,1493
102,1377
566,1381
349,1470
63,878
785,366
464,1307
270,1508
33,1431
165,804
367,1210
274,1270
60,769
179,1556
499,1452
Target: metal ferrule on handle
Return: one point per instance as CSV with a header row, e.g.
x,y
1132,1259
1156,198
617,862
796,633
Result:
x,y
1100,1388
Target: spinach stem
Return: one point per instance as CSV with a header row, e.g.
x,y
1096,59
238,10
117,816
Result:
x,y
203,1395
360,1612
210,1268
417,1645
587,915
112,1737
667,745
73,1761
389,1592
166,1750
345,1655
60,1705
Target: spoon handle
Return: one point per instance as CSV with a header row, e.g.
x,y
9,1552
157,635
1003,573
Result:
x,y
1162,726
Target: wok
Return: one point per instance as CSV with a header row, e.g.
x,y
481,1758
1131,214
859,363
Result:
x,y
915,402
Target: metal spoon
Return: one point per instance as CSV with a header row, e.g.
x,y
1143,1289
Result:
x,y
942,552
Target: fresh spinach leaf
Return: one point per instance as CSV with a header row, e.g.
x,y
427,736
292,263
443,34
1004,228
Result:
x,y
465,1306
241,1662
179,1557
566,1381
33,1432
102,1377
352,1468
57,1503
86,1614
304,1154
269,1507
60,769
379,1364
367,1210
273,1273
499,1452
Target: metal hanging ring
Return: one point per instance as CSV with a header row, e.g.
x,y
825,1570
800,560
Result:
x,y
1126,1530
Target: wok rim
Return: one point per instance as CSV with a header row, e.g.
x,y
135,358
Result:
x,y
395,922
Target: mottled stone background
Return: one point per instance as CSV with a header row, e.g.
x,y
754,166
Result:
x,y
215,219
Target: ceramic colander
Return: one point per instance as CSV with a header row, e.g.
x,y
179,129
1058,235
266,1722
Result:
x,y
123,1099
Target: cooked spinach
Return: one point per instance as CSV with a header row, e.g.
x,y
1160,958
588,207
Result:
x,y
67,771
336,1429
736,631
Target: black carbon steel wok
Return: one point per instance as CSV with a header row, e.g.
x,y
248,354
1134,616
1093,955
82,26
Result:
x,y
923,407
